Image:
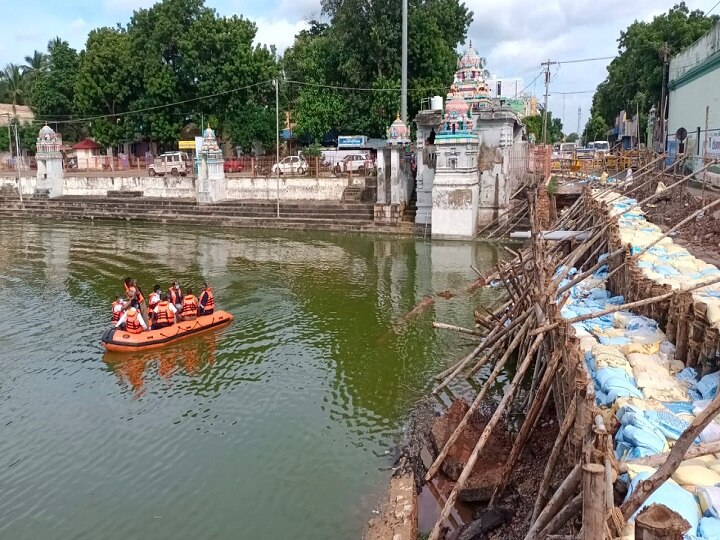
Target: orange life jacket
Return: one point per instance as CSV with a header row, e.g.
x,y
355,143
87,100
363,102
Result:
x,y
153,301
164,314
174,296
132,324
210,300
138,295
189,306
116,313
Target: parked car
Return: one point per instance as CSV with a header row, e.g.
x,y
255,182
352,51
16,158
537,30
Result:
x,y
233,165
291,165
602,148
354,163
174,163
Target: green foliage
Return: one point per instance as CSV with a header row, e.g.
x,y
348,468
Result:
x,y
313,151
635,75
52,91
596,129
359,49
573,137
534,124
13,85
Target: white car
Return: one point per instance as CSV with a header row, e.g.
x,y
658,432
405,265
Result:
x,y
291,165
354,163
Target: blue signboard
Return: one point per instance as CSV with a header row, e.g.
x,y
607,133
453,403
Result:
x,y
352,141
672,148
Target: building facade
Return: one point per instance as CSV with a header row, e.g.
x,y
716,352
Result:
x,y
694,99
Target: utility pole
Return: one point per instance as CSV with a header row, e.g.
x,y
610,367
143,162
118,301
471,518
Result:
x,y
276,82
547,89
9,136
664,54
404,82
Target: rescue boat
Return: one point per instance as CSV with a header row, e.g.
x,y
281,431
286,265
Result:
x,y
117,340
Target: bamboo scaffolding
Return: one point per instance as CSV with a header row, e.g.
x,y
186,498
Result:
x,y
467,469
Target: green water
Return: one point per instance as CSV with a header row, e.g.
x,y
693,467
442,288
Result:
x,y
282,425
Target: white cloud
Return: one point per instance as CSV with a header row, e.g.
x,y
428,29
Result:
x,y
278,32
78,24
126,6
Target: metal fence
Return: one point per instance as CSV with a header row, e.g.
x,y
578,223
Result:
x,y
245,166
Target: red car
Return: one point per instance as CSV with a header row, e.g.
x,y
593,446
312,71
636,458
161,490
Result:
x,y
233,165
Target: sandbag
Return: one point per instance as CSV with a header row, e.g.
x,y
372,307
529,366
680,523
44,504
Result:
x,y
696,475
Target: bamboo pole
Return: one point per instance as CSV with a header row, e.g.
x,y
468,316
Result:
x,y
678,226
571,510
467,469
562,494
444,326
530,420
565,428
497,339
475,404
622,307
580,277
655,461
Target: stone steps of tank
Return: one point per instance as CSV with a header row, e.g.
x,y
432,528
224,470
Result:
x,y
101,206
333,224
190,203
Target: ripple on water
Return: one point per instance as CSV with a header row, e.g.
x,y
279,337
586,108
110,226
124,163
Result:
x,y
291,409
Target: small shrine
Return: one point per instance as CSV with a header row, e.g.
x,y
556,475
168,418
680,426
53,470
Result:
x,y
470,80
50,174
211,185
395,180
398,133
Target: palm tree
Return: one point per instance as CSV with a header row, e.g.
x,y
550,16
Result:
x,y
12,76
36,63
54,42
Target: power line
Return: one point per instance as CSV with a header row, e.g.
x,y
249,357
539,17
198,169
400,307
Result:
x,y
577,61
156,107
360,89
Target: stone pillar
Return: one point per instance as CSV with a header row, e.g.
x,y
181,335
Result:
x,y
382,177
50,174
211,185
395,176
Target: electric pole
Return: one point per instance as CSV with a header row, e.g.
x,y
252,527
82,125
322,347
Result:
x,y
664,53
547,89
404,82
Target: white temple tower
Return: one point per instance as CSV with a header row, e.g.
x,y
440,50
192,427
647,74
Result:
x,y
211,185
50,174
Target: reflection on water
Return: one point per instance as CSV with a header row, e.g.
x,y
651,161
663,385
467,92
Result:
x,y
194,355
280,425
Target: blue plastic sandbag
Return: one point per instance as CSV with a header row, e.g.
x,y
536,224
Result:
x,y
671,495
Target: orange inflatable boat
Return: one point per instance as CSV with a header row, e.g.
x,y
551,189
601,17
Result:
x,y
117,340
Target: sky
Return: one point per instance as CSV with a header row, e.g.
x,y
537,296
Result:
x,y
513,35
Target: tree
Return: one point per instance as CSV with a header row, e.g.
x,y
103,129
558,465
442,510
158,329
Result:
x,y
359,49
596,129
534,124
573,137
635,75
36,63
53,90
183,50
105,85
14,85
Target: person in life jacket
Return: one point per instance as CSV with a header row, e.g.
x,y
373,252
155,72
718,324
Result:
x,y
175,295
153,301
132,321
118,306
164,313
206,305
131,289
189,309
